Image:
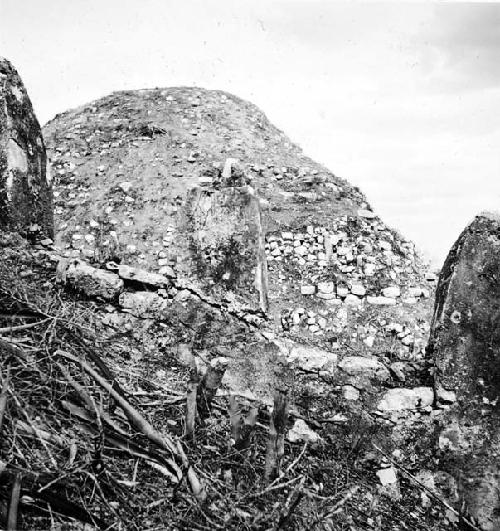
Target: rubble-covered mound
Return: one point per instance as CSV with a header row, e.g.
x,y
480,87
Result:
x,y
241,348
139,177
128,160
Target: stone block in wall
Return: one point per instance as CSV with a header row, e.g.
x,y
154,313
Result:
x,y
88,280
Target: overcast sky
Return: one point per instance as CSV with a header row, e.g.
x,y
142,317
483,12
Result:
x,y
401,99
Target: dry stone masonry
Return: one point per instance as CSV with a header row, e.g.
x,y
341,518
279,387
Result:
x,y
198,187
25,192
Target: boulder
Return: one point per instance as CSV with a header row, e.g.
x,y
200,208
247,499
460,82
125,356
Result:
x,y
381,301
465,345
368,214
358,289
223,245
312,358
361,368
135,274
307,290
350,392
326,287
89,280
391,292
146,304
25,192
352,300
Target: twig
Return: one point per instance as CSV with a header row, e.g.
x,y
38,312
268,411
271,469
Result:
x,y
290,467
14,504
140,423
26,326
17,316
294,463
87,399
209,385
28,429
35,431
3,396
291,503
191,401
273,487
347,496
135,418
277,426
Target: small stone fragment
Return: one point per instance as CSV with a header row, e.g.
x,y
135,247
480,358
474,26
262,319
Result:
x,y
406,399
363,367
387,476
301,432
307,290
392,292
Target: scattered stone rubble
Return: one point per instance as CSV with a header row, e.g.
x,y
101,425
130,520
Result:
x,y
135,151
349,297
355,373
360,254
350,282
132,180
321,268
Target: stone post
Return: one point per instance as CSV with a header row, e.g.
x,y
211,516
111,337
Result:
x,y
25,192
465,344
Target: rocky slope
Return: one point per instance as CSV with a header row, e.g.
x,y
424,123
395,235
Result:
x,y
126,169
272,268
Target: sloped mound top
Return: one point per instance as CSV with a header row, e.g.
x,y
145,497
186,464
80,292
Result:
x,y
127,160
136,179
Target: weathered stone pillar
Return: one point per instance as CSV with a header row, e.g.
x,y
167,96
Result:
x,y
224,244
25,192
465,343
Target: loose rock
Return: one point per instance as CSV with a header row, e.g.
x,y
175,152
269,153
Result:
x,y
402,399
93,282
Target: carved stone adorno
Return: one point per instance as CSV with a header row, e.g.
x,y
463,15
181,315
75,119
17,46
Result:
x,y
465,343
25,192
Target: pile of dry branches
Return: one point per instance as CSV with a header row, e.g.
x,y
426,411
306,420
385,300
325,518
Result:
x,y
64,416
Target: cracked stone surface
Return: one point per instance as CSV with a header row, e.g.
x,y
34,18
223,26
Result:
x,y
25,191
465,343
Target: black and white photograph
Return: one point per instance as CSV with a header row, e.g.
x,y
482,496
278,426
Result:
x,y
249,265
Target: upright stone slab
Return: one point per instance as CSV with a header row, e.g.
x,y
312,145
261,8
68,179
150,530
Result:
x,y
25,193
465,343
224,245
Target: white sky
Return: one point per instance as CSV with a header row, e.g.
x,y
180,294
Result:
x,y
401,99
